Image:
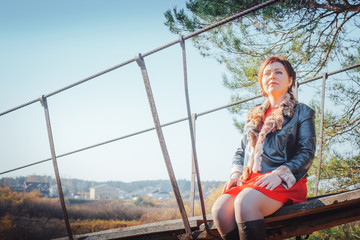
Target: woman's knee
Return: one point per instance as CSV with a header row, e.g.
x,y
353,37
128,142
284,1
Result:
x,y
246,207
216,209
223,214
223,208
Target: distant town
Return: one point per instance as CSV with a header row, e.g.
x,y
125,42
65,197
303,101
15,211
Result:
x,y
91,190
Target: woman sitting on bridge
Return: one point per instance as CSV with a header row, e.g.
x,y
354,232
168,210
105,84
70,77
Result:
x,y
270,166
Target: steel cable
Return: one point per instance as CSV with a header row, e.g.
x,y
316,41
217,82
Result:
x,y
173,122
193,34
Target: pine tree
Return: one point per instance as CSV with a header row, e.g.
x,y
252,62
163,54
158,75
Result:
x,y
313,35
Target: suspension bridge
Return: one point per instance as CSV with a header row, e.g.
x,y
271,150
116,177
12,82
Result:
x,y
317,213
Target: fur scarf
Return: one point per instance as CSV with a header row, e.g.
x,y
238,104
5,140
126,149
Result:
x,y
258,129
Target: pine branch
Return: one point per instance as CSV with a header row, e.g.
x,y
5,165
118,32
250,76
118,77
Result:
x,y
334,8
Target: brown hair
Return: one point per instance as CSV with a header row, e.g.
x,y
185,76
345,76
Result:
x,y
289,69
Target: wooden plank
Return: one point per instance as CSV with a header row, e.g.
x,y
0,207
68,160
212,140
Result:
x,y
316,214
289,221
159,230
313,205
306,224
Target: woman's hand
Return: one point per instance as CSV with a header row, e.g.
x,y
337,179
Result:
x,y
232,182
269,181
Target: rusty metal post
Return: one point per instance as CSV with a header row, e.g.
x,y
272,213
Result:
x,y
140,61
325,76
57,175
182,43
193,172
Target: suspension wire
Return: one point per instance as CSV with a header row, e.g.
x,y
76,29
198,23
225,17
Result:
x,y
331,73
130,135
172,122
90,77
229,19
20,106
70,86
193,34
229,105
95,145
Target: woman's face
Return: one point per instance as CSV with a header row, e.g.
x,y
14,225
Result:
x,y
275,79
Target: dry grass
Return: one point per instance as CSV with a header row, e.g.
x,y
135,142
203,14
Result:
x,y
27,216
30,216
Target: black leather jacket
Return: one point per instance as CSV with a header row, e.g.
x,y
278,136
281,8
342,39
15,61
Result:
x,y
293,146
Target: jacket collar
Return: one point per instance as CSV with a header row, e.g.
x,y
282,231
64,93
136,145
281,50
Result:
x,y
255,119
258,128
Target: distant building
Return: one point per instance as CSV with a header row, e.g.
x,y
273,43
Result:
x,y
159,194
123,194
18,188
142,192
54,191
104,191
42,187
83,195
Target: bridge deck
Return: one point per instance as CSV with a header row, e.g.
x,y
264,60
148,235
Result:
x,y
293,220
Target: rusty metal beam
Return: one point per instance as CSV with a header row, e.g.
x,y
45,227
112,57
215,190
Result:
x,y
192,135
140,61
325,76
193,173
44,103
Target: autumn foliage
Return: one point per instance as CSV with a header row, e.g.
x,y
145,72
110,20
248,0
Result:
x,y
30,216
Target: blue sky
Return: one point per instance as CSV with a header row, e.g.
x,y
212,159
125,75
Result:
x,y
48,45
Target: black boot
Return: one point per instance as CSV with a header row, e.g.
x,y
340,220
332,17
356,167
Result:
x,y
252,230
233,235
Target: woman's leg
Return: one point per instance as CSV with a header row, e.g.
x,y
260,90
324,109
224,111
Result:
x,y
223,214
251,206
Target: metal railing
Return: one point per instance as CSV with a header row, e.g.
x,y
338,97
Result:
x,y
191,118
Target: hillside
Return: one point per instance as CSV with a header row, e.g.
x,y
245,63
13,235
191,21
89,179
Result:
x,y
74,186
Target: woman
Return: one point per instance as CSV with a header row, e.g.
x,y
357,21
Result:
x,y
270,166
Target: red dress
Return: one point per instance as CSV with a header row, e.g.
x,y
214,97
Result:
x,y
296,194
